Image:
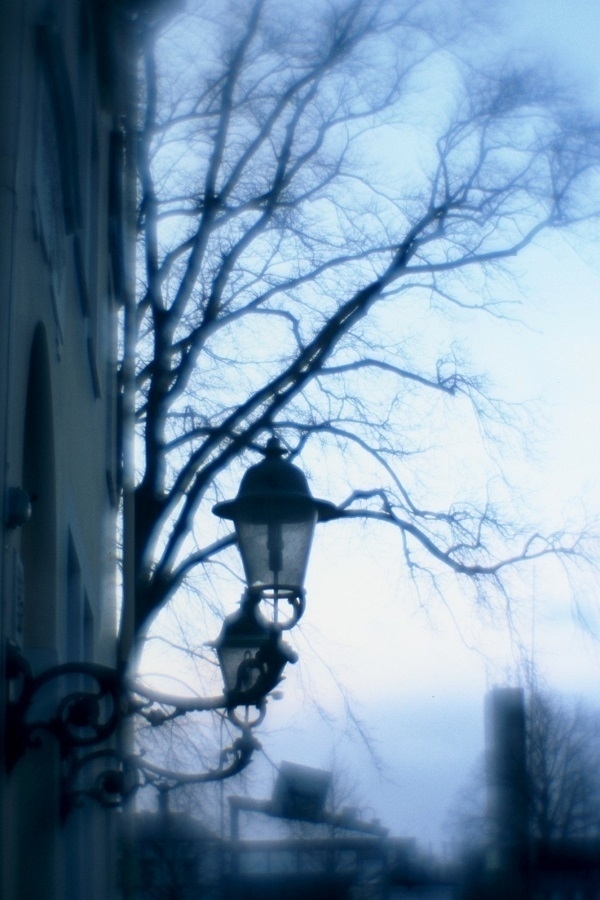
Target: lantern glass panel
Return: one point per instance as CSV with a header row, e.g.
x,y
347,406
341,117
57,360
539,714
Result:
x,y
276,553
230,660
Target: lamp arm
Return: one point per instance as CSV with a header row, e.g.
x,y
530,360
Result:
x,y
181,705
232,760
84,717
149,706
87,717
116,778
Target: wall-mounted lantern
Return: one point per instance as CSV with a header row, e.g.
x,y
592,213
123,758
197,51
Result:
x,y
274,515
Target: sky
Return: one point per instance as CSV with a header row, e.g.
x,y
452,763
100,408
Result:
x,y
417,675
389,687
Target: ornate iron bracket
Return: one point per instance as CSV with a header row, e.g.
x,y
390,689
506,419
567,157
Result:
x,y
114,779
86,716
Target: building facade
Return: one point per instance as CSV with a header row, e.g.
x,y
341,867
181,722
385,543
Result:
x,y
65,89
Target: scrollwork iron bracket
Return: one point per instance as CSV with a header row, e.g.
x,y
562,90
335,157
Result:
x,y
84,719
85,716
104,776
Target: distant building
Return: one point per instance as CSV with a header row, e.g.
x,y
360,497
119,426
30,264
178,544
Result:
x,y
324,856
508,803
174,856
511,862
65,86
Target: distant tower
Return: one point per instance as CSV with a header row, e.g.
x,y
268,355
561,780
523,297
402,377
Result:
x,y
507,791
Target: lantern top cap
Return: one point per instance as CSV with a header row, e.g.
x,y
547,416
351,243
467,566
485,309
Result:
x,y
242,626
275,480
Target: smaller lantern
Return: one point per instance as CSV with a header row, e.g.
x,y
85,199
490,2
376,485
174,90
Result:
x,y
274,515
251,655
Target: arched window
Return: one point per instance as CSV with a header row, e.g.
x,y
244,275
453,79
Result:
x,y
39,547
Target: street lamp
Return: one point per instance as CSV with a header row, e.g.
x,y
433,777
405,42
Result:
x,y
251,655
274,515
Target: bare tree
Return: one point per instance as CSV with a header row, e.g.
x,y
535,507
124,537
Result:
x,y
563,743
562,783
296,204
175,858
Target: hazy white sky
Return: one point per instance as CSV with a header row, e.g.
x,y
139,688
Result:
x,y
417,676
416,673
